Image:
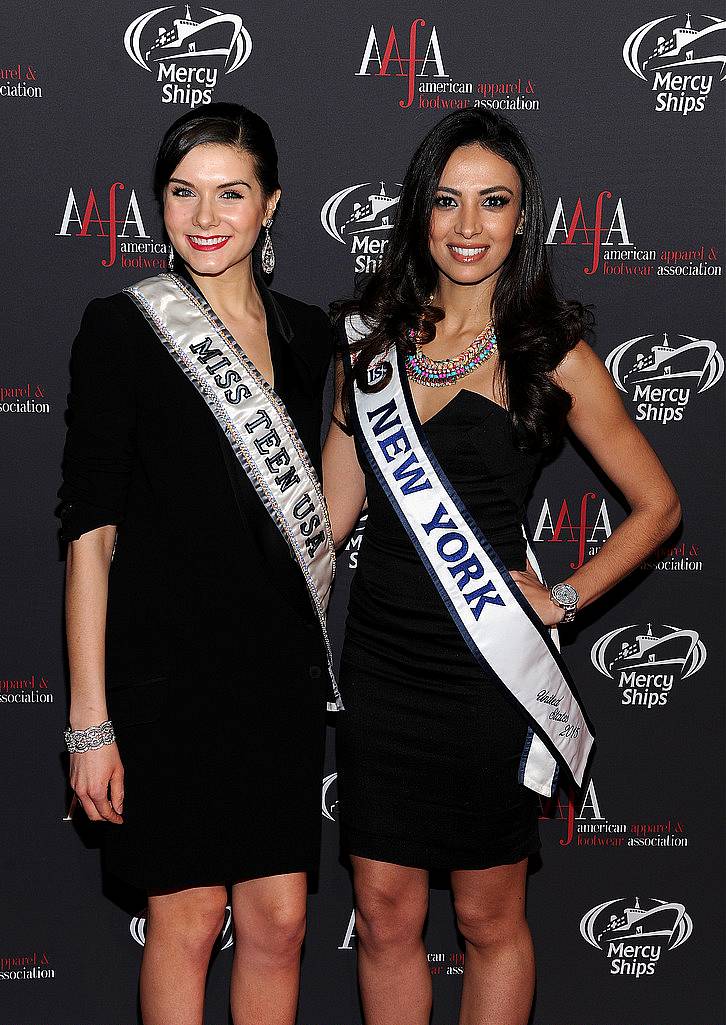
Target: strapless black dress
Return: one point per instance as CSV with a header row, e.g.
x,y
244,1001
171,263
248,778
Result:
x,y
429,746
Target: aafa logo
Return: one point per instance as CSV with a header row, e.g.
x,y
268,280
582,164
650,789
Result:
x,y
118,221
361,216
683,64
187,56
633,934
392,62
661,377
137,928
605,229
589,530
563,807
330,797
646,662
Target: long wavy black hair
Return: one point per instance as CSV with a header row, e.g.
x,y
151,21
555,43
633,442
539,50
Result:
x,y
535,328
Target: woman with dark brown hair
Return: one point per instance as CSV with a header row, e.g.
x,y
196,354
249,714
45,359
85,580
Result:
x,y
197,646
460,369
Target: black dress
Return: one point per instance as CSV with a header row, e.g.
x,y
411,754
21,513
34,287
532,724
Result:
x,y
429,746
215,666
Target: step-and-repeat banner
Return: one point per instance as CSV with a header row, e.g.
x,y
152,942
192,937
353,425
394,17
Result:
x,y
623,106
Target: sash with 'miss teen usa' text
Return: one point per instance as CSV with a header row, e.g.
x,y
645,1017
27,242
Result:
x,y
494,618
256,424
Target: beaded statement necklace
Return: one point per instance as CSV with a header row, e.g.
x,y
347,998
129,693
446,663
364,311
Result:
x,y
437,373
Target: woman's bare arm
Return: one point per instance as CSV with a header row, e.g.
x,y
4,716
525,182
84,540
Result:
x,y
600,421
87,566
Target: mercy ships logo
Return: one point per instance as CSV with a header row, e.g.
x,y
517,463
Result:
x,y
187,56
632,934
361,216
647,662
683,66
661,378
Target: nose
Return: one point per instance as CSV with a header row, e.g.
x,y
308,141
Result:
x,y
205,215
469,223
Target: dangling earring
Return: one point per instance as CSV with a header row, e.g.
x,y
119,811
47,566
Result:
x,y
268,253
170,260
520,229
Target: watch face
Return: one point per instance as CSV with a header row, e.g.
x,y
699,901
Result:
x,y
565,595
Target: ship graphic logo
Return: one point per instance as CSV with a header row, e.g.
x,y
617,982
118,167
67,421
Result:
x,y
187,38
330,797
137,928
684,50
640,361
648,922
634,648
370,212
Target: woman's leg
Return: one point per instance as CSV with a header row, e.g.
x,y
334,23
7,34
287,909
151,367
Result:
x,y
391,907
269,925
181,928
499,969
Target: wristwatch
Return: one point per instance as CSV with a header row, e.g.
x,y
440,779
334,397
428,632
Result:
x,y
567,598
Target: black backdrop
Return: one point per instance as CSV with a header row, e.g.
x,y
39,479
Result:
x,y
625,118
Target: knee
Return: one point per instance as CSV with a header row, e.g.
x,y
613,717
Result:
x,y
272,934
487,927
385,918
191,921
285,931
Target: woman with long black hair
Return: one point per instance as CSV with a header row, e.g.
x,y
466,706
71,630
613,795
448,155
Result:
x,y
199,565
460,369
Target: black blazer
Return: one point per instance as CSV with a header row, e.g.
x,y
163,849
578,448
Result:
x,y
200,576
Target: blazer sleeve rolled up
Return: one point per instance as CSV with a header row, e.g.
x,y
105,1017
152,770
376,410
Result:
x,y
98,457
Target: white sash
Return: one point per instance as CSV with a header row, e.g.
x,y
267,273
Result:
x,y
256,424
499,626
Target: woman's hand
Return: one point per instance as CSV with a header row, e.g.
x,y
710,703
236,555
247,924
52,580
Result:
x,y
538,596
92,773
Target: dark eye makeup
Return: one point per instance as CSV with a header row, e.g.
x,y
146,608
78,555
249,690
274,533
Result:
x,y
495,202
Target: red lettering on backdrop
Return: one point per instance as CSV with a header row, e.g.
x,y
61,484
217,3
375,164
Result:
x,y
92,215
562,807
578,216
564,514
410,61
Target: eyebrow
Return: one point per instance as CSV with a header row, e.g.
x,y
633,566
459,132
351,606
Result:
x,y
226,185
482,192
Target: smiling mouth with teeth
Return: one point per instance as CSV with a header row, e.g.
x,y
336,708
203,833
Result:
x,y
208,243
467,254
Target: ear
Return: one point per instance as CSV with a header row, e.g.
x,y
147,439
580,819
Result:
x,y
271,204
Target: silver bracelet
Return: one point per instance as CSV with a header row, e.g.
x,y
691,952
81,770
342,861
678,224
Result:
x,y
90,739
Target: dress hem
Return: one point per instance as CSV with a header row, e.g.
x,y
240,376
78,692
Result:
x,y
229,878
412,855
